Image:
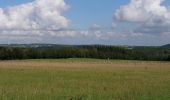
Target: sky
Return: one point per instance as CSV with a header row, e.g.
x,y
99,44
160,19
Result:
x,y
110,22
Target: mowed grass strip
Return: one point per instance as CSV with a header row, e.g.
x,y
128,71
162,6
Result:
x,y
84,79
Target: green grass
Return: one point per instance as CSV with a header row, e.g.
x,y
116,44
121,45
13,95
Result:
x,y
83,79
71,60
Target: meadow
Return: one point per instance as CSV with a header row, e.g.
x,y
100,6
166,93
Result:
x,y
84,79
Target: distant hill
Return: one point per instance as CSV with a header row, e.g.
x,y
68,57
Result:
x,y
59,46
34,45
56,51
166,46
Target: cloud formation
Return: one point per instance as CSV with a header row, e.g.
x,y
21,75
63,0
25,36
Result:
x,y
152,16
42,21
36,15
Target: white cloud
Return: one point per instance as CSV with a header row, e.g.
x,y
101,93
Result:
x,y
144,11
151,15
39,14
42,21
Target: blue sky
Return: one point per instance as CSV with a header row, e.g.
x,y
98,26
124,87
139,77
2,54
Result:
x,y
83,12
6,3
87,12
115,22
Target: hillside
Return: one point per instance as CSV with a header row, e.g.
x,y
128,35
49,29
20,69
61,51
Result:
x,y
166,46
52,51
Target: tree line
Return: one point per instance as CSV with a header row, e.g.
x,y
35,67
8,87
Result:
x,y
94,51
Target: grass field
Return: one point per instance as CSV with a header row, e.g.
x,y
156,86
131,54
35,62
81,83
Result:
x,y
84,79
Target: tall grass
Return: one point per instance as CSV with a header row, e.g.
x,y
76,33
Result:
x,y
84,80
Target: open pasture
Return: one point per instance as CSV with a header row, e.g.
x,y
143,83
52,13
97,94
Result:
x,y
84,79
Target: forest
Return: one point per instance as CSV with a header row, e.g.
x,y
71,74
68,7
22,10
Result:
x,y
86,51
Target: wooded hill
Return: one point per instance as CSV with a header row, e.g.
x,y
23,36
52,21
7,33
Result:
x,y
37,51
166,46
